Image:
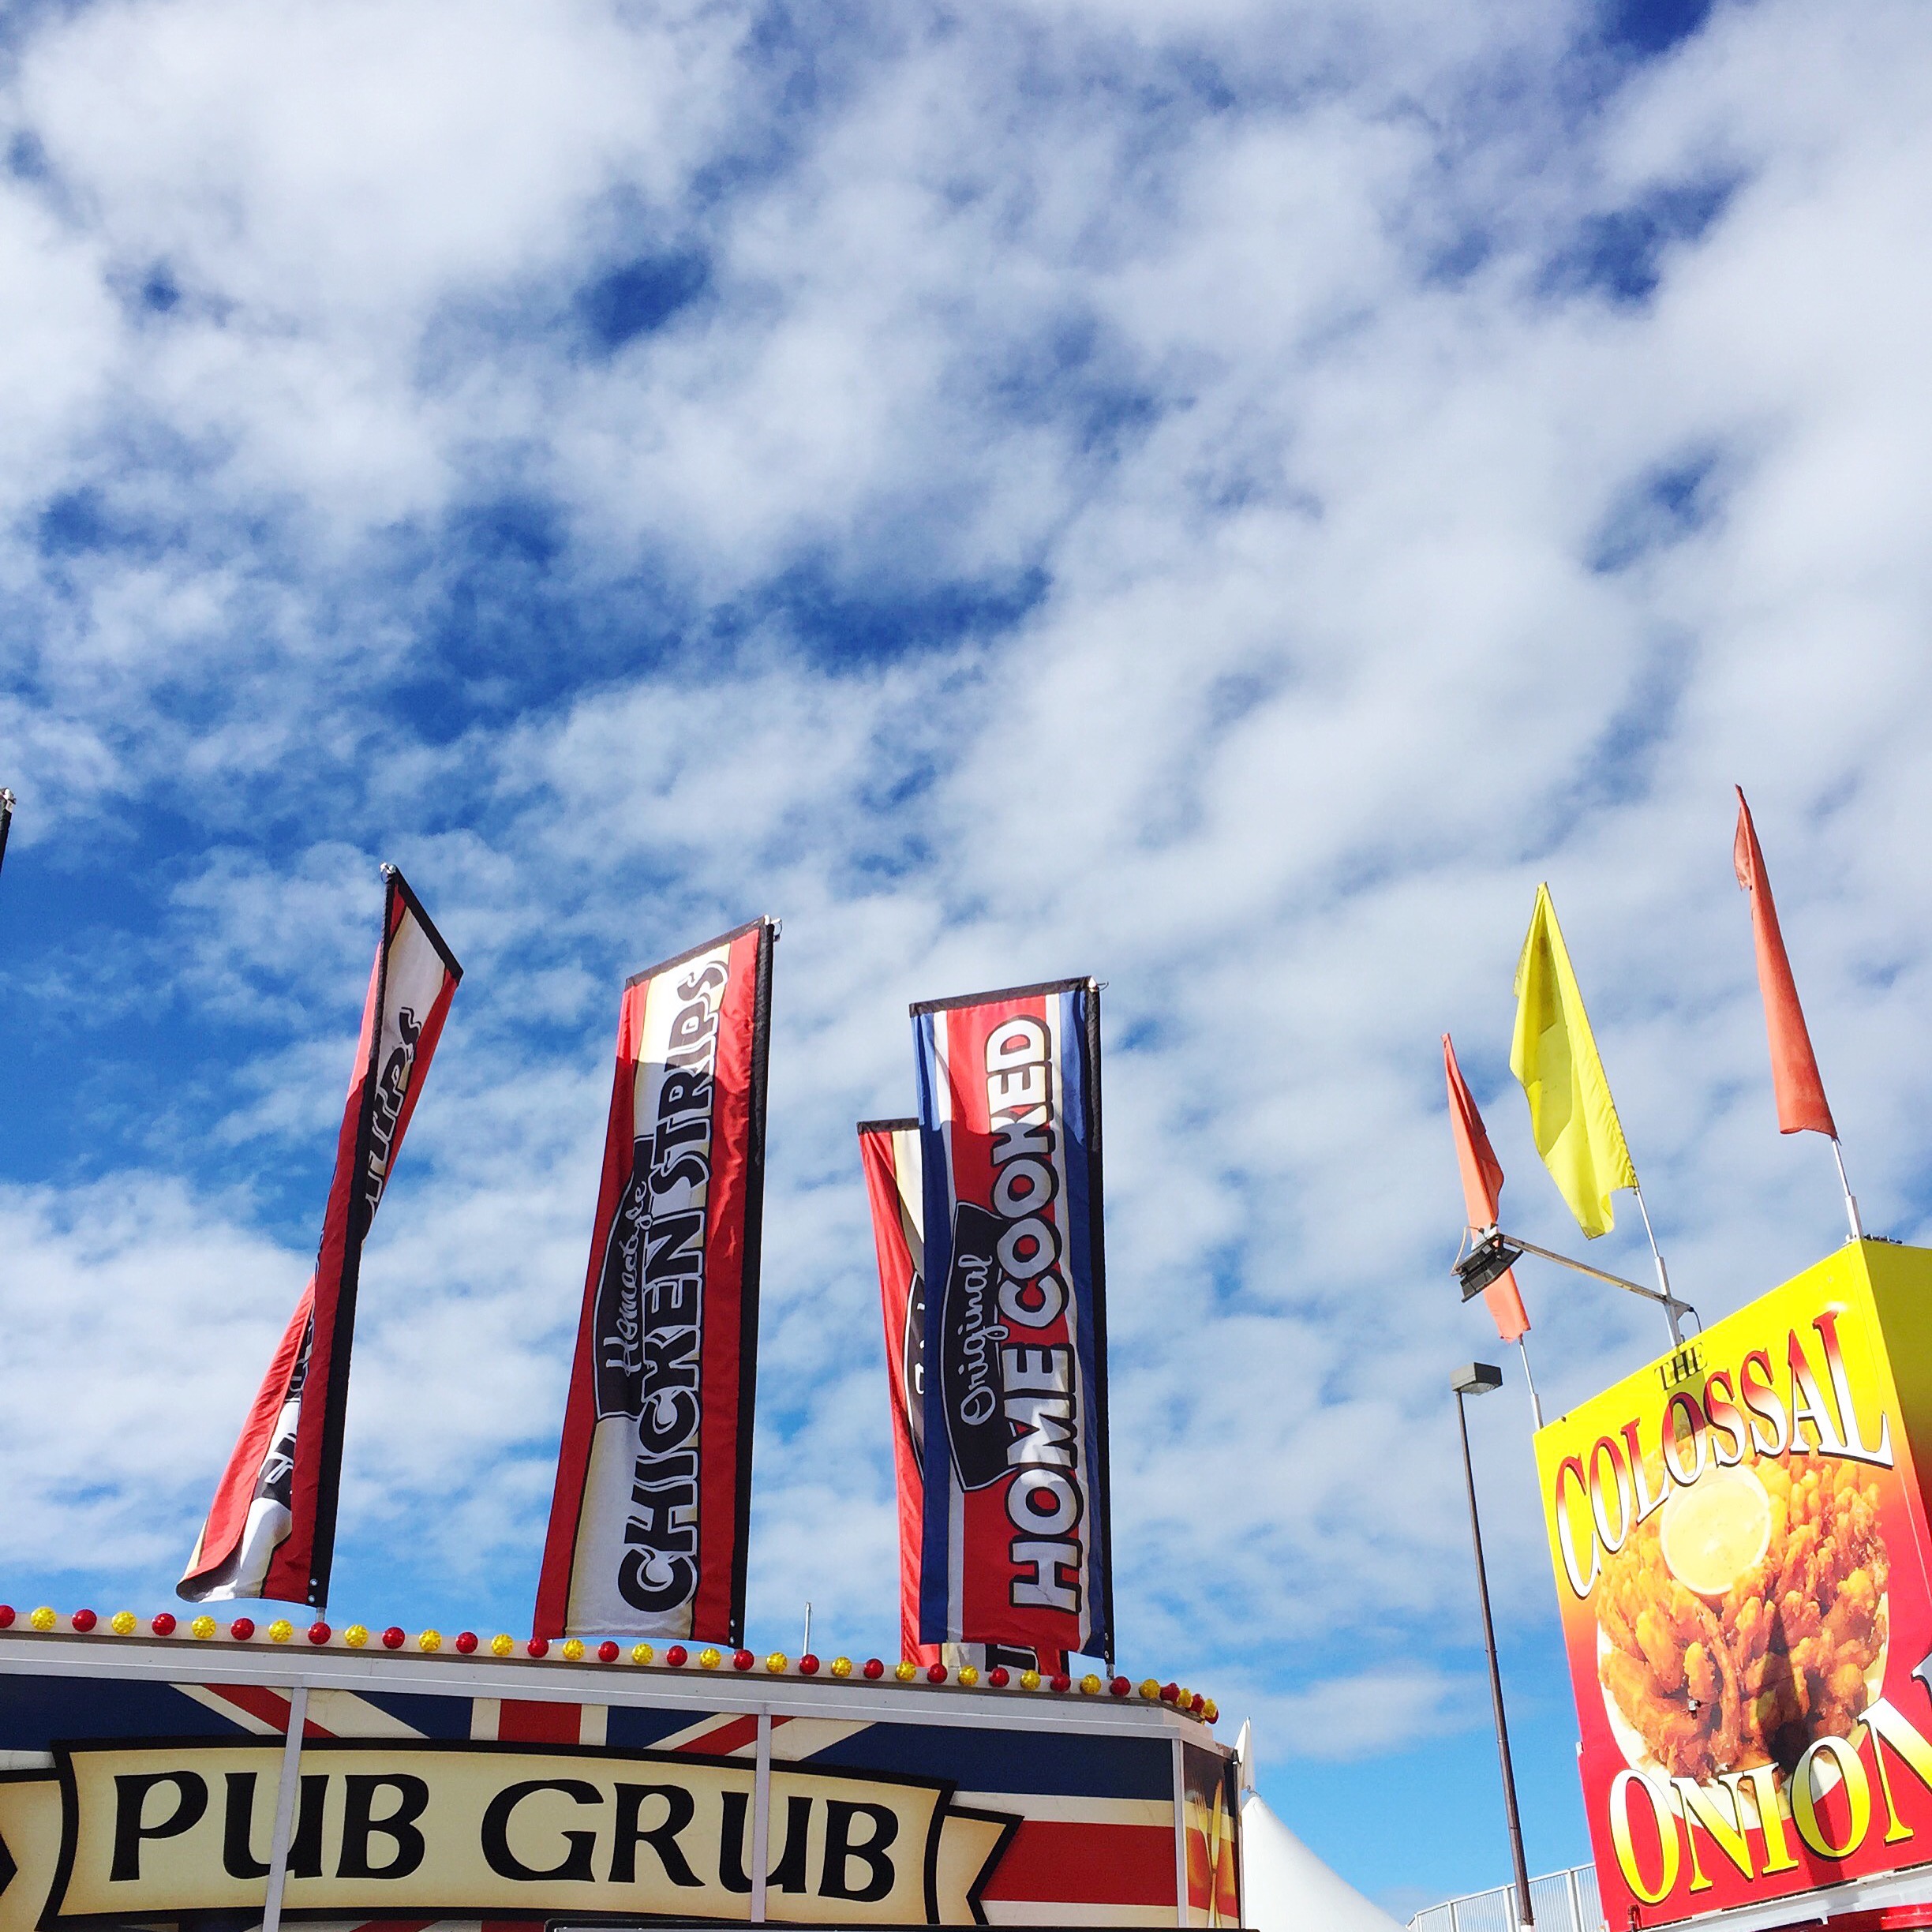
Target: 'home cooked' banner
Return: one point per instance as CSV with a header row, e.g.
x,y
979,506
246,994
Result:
x,y
653,1489
1015,1547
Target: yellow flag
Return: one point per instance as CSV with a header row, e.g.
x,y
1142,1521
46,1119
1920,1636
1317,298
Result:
x,y
1571,1113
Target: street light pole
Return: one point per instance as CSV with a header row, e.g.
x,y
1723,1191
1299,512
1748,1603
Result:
x,y
1478,1378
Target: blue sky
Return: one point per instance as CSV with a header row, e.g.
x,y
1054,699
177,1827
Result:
x,y
1220,496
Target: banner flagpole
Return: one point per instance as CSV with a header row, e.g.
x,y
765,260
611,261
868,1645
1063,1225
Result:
x,y
1536,1402
1850,1200
1663,1273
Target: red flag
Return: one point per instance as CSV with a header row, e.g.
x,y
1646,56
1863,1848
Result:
x,y
1801,1102
1482,1187
653,1503
272,1530
895,1187
890,1152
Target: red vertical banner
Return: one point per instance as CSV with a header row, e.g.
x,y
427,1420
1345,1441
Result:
x,y
1015,1539
649,1522
271,1531
889,1151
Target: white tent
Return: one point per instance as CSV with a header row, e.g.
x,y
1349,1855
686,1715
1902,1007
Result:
x,y
1289,1890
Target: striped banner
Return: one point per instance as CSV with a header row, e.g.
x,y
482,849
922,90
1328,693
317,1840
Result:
x,y
1015,1544
888,1150
648,1526
272,1530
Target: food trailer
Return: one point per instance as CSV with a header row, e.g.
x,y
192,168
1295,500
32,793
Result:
x,y
148,1777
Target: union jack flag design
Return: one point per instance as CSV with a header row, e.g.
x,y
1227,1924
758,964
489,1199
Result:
x,y
1091,1816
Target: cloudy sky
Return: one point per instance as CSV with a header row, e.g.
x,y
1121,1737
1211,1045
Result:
x,y
1221,495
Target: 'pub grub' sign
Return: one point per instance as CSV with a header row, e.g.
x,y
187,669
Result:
x,y
120,1832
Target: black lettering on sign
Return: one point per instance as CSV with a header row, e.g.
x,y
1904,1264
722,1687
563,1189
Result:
x,y
239,1860
835,1873
392,1086
360,1824
652,1583
788,1874
619,1317
305,1848
496,1836
915,1368
970,1334
132,1829
679,1807
732,1842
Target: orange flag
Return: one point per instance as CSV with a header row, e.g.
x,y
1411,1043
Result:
x,y
1482,1186
1801,1102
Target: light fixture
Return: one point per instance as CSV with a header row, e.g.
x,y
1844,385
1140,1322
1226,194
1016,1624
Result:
x,y
1491,1258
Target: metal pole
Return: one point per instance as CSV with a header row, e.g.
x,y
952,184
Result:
x,y
1852,1212
1657,1254
1182,1917
1526,1913
761,1817
286,1794
1536,1402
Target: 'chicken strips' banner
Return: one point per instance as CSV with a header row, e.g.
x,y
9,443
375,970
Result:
x,y
654,1488
272,1531
1015,1547
1740,1538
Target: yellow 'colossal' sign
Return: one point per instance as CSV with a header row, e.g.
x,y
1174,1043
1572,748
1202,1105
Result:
x,y
123,1833
1741,1549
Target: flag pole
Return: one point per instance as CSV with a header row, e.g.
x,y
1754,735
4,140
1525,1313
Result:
x,y
1852,1207
1657,1254
287,1793
1536,1402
